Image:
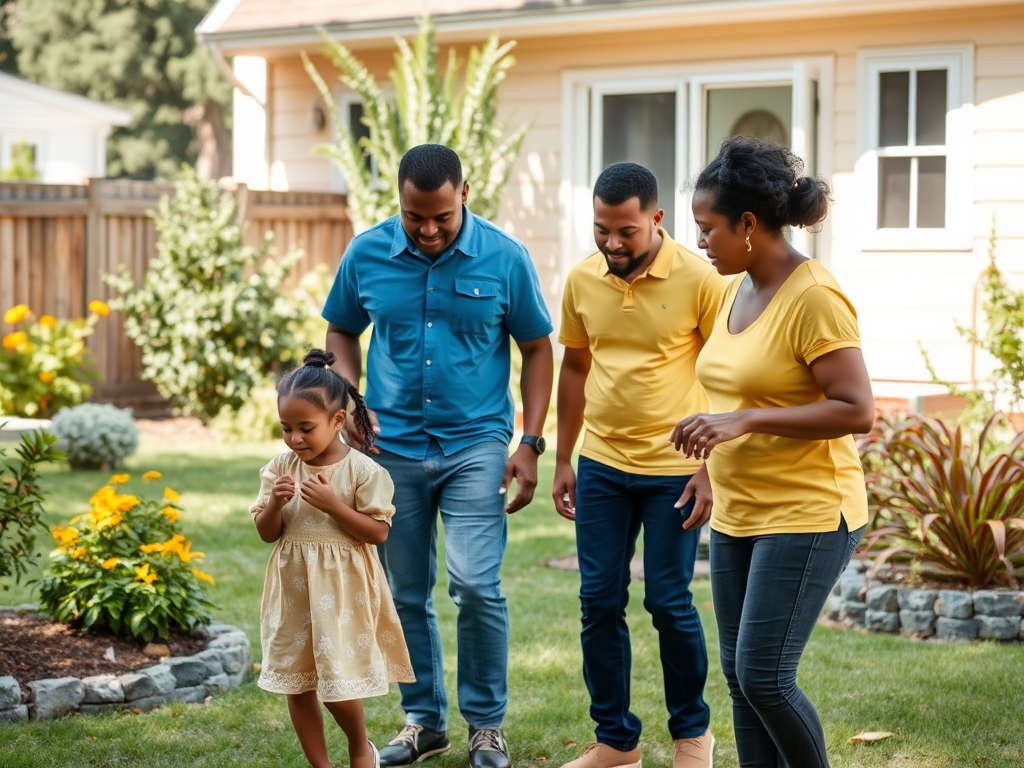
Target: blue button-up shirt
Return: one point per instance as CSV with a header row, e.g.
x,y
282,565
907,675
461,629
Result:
x,y
438,363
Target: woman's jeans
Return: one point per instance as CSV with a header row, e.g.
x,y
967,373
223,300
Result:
x,y
768,593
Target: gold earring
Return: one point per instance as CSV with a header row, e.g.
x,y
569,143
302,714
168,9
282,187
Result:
x,y
748,244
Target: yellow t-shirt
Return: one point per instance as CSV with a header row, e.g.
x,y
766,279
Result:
x,y
644,337
762,483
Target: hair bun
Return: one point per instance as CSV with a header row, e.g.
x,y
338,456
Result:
x,y
319,358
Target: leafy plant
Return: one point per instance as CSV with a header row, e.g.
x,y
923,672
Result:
x,y
124,565
23,163
426,108
212,316
96,435
21,501
946,506
44,363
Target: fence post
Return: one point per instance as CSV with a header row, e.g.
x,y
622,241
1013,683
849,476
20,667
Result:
x,y
94,263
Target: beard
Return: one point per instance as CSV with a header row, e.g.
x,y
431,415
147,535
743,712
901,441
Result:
x,y
629,266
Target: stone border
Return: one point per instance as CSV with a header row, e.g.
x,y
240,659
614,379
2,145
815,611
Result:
x,y
943,614
220,667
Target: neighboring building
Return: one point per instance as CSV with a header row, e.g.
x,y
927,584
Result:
x,y
912,109
65,134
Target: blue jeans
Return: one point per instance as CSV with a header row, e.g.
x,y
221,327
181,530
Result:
x,y
768,592
463,487
611,506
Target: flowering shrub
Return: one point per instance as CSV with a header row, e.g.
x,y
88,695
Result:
x,y
125,565
44,364
96,435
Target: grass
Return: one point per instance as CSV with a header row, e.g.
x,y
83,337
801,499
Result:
x,y
949,706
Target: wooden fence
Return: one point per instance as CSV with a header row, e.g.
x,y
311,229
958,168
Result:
x,y
57,240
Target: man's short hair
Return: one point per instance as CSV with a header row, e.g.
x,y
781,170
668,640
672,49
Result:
x,y
621,181
429,166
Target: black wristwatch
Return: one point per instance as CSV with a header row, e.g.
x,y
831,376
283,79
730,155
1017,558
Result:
x,y
538,443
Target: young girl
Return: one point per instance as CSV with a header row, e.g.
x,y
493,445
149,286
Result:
x,y
329,628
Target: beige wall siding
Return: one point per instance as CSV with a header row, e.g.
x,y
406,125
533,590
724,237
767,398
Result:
x,y
902,297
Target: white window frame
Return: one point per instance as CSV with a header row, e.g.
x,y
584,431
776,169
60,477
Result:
x,y
689,81
344,99
37,140
957,235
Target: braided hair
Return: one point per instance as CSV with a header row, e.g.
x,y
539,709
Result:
x,y
318,383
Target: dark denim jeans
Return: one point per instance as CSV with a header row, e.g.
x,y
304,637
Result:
x,y
768,592
611,507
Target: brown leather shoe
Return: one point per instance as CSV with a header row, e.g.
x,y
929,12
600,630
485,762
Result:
x,y
695,753
602,756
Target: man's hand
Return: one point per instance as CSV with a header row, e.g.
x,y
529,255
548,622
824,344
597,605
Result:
x,y
355,437
316,490
564,490
699,489
522,467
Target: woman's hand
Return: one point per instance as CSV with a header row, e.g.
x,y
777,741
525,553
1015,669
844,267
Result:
x,y
697,435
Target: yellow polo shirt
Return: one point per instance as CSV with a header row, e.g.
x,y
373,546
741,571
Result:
x,y
762,483
644,337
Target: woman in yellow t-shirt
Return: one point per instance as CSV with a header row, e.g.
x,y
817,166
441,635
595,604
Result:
x,y
787,389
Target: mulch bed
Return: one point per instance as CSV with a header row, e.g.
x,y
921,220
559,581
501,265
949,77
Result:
x,y
32,648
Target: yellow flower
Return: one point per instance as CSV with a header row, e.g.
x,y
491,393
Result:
x,y
64,536
79,553
142,573
186,555
49,321
171,495
119,479
174,544
75,519
99,307
110,562
152,475
45,376
171,514
17,314
203,576
125,502
76,349
102,496
150,548
15,340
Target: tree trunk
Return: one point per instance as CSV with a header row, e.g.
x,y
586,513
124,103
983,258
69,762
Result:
x,y
214,139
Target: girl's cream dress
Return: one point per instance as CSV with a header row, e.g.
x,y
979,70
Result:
x,y
328,622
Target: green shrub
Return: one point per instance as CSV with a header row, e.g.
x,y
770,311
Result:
x,y
211,317
96,435
21,501
44,363
125,566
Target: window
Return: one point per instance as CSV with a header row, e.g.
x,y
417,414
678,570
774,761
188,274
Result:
x,y
915,162
351,110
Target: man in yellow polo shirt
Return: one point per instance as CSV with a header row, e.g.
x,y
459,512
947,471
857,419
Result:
x,y
634,317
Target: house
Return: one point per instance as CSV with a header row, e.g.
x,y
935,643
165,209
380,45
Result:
x,y
912,109
64,135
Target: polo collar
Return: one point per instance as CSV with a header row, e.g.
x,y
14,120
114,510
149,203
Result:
x,y
466,241
661,267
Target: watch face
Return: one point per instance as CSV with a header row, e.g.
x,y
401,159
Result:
x,y
542,445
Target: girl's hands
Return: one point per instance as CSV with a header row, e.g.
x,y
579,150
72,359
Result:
x,y
316,490
697,435
284,489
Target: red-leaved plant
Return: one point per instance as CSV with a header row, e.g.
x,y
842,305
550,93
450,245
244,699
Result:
x,y
954,510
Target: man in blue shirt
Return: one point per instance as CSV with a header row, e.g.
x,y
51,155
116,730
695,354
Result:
x,y
445,291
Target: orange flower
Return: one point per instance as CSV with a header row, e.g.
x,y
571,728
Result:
x,y
119,479
109,563
79,553
152,475
45,376
99,307
64,536
142,573
150,548
203,576
171,514
103,496
48,321
17,313
171,495
15,340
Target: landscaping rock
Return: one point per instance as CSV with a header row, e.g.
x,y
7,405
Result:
x,y
161,675
146,683
919,622
236,679
215,628
10,692
99,709
917,599
195,694
217,683
55,697
147,703
834,608
102,689
1021,635
956,629
997,627
882,621
988,602
850,585
230,640
855,566
955,604
211,660
18,714
854,612
882,599
187,670
233,658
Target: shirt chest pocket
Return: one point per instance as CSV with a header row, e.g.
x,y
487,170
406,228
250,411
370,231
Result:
x,y
476,306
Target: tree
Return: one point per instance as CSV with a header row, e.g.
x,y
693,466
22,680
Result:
x,y
426,108
137,54
8,54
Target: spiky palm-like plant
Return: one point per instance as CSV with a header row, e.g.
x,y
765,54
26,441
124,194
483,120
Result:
x,y
427,107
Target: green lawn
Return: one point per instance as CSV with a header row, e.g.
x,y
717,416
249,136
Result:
x,y
947,705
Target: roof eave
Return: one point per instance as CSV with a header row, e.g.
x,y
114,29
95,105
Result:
x,y
71,102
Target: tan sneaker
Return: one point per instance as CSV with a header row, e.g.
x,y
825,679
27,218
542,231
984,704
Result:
x,y
695,753
602,756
